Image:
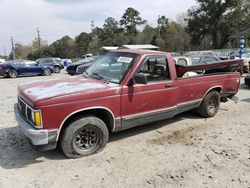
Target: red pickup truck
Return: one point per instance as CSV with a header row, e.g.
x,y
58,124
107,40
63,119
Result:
x,y
122,89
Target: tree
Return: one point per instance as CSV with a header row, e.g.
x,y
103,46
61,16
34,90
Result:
x,y
130,20
22,51
215,19
110,29
82,43
63,47
163,24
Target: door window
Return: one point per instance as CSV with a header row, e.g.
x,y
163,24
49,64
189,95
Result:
x,y
155,69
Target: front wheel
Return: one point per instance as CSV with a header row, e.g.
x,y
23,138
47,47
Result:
x,y
209,105
84,136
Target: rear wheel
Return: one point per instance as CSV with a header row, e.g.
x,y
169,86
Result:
x,y
84,136
57,69
12,74
46,72
209,105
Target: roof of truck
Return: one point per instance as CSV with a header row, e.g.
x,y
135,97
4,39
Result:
x,y
139,51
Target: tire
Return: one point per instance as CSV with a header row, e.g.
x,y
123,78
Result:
x,y
12,74
46,72
209,105
57,69
85,136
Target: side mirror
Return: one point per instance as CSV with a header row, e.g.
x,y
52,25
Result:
x,y
140,78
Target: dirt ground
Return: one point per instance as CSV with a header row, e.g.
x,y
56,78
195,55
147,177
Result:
x,y
186,151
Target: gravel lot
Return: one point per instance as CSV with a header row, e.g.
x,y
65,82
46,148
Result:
x,y
186,151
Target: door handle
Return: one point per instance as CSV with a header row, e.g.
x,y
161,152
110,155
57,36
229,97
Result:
x,y
168,85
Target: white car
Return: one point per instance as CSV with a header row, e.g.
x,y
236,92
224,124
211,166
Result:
x,y
2,60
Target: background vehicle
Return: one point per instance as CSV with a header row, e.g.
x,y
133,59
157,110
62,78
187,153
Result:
x,y
52,61
81,68
16,68
122,89
86,62
66,62
2,60
247,79
245,57
183,60
204,59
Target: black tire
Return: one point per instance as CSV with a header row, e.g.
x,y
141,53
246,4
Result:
x,y
46,72
57,69
85,136
12,74
209,105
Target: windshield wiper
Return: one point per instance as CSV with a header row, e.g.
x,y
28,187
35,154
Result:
x,y
85,72
99,77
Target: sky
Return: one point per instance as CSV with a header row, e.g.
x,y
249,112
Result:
x,y
57,18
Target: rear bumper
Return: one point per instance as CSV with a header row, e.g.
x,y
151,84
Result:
x,y
37,137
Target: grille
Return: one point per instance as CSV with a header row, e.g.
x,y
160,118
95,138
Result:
x,y
25,110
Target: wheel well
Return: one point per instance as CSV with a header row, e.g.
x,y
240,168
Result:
x,y
218,89
103,114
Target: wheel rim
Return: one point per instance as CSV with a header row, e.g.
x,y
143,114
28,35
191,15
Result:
x,y
12,74
46,72
212,104
86,138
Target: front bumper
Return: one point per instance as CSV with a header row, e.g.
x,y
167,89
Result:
x,y
37,137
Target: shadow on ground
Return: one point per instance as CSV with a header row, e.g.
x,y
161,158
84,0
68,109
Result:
x,y
16,152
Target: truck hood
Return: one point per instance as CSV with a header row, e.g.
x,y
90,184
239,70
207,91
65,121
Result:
x,y
40,90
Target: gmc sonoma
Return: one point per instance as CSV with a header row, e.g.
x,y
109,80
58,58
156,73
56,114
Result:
x,y
122,89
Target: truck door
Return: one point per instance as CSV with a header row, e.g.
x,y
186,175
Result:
x,y
155,100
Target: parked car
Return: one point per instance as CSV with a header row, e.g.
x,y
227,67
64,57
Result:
x,y
81,68
2,60
121,90
204,59
52,61
66,62
247,79
86,62
183,60
16,68
245,57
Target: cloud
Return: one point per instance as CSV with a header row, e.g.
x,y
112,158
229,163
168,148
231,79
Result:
x,y
56,18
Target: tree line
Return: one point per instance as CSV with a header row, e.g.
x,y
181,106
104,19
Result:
x,y
208,25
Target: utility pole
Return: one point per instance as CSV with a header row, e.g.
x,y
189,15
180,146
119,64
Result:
x,y
4,49
13,48
39,41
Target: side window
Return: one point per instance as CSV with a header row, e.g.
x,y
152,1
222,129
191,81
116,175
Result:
x,y
207,60
155,69
48,61
182,62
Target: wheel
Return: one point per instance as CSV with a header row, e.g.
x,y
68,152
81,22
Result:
x,y
12,74
57,69
84,136
209,105
46,72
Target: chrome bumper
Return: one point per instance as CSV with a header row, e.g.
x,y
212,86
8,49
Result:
x,y
35,136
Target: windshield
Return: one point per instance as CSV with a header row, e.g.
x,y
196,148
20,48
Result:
x,y
111,67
